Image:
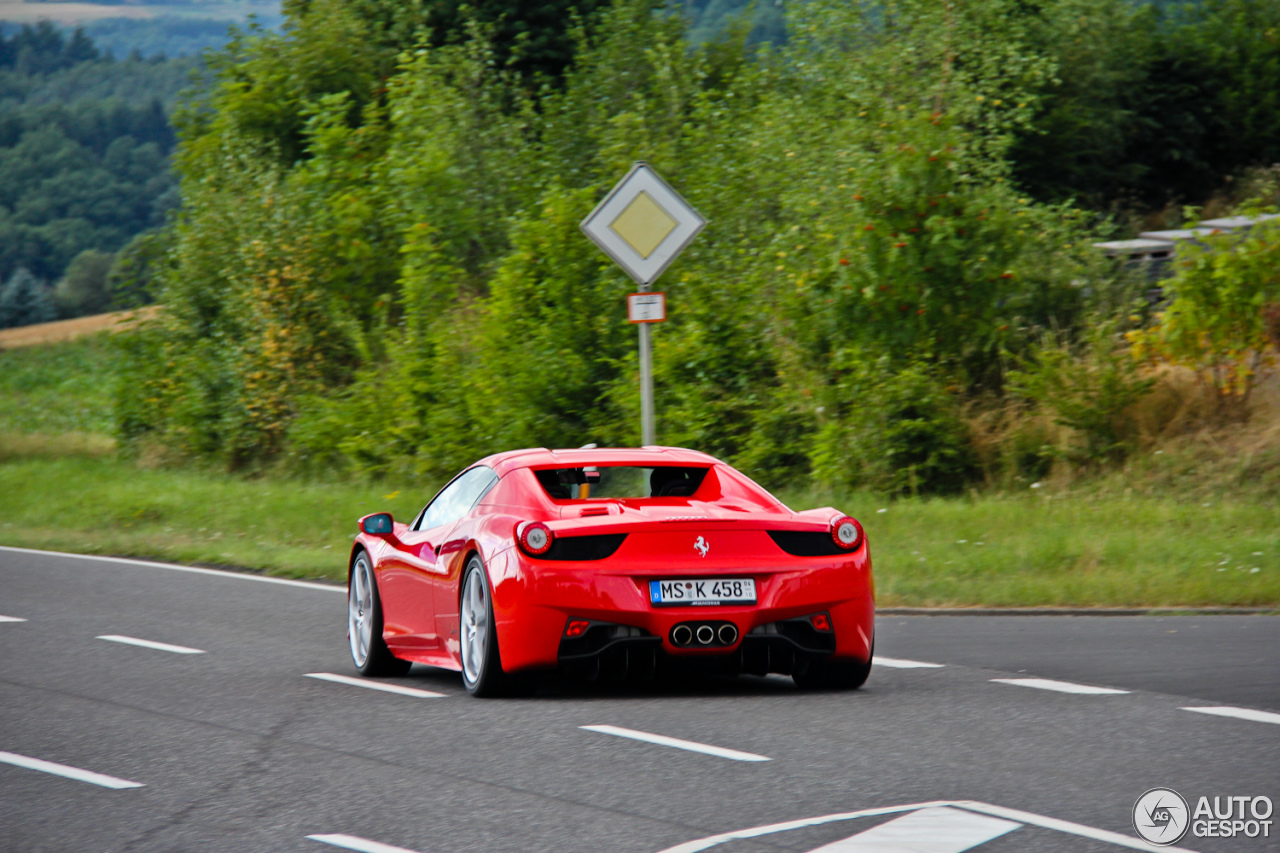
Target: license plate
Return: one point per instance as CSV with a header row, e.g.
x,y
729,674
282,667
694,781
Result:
x,y
713,591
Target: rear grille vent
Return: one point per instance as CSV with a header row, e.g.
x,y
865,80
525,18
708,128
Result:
x,y
805,543
596,547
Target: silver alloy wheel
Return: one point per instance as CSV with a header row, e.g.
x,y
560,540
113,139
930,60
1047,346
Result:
x,y
360,612
475,627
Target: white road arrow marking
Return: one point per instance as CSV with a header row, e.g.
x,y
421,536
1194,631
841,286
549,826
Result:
x,y
935,830
663,740
1026,818
1238,713
375,685
351,842
1059,686
151,644
67,771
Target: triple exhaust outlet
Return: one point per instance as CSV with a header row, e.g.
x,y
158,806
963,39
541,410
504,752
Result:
x,y
704,634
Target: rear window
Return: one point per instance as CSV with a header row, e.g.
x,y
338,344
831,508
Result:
x,y
620,481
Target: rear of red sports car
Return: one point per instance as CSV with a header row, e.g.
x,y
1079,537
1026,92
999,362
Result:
x,y
622,562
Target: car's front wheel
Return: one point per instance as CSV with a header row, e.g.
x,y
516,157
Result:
x,y
481,665
369,651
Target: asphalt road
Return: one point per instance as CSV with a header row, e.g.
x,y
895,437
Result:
x,y
236,749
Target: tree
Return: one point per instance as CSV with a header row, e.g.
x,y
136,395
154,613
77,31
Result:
x,y
533,37
25,300
129,281
83,288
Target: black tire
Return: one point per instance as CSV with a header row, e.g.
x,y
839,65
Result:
x,y
835,674
482,673
369,651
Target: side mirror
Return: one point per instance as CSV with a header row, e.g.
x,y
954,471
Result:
x,y
378,524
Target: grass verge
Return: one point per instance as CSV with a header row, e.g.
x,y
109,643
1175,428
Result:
x,y
93,505
1069,549
1076,549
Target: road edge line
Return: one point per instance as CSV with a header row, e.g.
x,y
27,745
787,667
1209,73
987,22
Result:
x,y
177,567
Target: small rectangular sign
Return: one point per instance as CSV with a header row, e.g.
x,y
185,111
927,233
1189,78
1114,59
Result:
x,y
646,308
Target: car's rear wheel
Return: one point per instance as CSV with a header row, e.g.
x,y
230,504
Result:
x,y
835,674
481,665
369,651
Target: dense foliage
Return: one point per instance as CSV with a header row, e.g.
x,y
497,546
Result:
x,y
1152,105
378,261
84,149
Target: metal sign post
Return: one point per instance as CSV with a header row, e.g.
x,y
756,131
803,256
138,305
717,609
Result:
x,y
643,224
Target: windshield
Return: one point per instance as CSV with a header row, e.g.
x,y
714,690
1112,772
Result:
x,y
620,481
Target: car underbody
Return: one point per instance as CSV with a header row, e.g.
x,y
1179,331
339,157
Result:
x,y
612,652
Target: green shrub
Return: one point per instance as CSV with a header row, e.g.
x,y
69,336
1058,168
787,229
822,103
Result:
x,y
1216,323
1090,388
894,430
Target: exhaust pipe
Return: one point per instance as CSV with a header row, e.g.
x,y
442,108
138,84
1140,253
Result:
x,y
728,634
706,634
682,635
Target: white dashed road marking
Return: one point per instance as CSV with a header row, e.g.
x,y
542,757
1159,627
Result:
x,y
1239,713
67,771
11,619
935,830
375,685
151,644
898,663
351,842
663,740
1059,686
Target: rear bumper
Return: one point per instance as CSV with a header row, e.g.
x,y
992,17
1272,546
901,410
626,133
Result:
x,y
533,604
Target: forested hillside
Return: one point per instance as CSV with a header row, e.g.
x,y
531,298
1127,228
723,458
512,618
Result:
x,y
84,165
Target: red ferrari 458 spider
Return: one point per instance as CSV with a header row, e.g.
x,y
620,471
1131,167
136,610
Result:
x,y
611,563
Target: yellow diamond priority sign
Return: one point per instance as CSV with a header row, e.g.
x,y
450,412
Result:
x,y
643,224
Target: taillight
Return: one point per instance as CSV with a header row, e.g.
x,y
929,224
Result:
x,y
576,627
534,538
846,533
820,622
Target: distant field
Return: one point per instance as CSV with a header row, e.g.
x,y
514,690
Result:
x,y
68,330
66,13
17,12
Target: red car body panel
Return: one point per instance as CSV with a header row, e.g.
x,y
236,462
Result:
x,y
419,573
